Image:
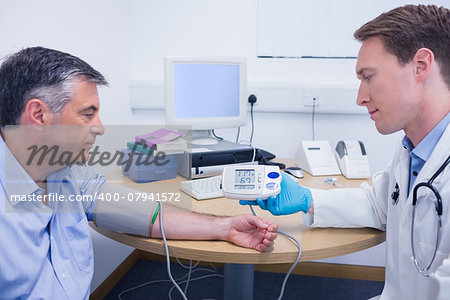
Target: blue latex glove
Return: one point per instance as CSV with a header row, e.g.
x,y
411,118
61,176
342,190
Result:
x,y
291,199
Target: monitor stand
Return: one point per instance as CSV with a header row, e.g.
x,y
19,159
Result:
x,y
203,137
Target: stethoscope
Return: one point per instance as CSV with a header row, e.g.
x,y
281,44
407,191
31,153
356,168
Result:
x,y
429,184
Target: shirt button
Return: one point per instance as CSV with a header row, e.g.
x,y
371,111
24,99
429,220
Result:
x,y
64,276
415,173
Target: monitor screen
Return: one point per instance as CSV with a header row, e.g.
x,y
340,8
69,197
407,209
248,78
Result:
x,y
206,93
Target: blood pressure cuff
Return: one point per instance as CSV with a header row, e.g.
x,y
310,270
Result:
x,y
121,209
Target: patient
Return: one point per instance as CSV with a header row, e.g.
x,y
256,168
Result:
x,y
50,98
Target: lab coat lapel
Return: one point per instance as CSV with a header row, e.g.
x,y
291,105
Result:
x,y
401,174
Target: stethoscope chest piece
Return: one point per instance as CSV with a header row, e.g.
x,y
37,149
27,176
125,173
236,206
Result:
x,y
395,194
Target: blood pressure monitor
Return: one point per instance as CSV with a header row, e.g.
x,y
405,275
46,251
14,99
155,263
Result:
x,y
251,182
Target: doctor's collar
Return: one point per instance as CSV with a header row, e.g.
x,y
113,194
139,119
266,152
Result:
x,y
407,144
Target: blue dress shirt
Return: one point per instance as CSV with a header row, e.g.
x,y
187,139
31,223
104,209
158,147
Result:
x,y
46,251
422,152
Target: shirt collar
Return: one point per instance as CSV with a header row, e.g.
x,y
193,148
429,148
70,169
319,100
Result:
x,y
14,178
424,149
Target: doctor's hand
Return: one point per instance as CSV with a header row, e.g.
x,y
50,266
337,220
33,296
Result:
x,y
291,199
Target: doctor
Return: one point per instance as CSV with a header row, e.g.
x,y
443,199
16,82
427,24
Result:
x,y
404,68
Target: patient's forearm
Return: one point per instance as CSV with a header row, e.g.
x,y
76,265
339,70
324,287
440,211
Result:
x,y
182,224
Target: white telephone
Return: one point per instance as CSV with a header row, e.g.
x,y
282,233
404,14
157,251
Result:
x,y
317,158
352,159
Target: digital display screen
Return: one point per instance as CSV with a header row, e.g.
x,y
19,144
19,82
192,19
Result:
x,y
206,90
244,186
245,176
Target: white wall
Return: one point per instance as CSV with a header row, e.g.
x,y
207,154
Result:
x,y
127,42
228,28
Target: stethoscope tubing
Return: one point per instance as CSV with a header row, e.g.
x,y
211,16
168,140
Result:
x,y
438,205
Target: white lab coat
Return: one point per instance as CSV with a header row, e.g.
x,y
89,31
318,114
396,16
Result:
x,y
372,206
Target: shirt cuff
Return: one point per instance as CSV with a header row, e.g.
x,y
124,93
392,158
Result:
x,y
308,219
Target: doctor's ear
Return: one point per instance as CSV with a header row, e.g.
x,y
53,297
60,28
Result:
x,y
36,112
423,60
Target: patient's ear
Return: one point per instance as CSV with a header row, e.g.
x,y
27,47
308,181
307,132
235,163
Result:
x,y
423,60
36,112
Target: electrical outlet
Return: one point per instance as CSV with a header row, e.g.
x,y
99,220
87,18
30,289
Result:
x,y
311,101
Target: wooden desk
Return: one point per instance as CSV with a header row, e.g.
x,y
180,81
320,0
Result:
x,y
317,243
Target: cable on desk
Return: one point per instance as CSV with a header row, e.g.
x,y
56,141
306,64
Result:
x,y
238,133
252,100
253,122
254,154
217,137
312,117
293,239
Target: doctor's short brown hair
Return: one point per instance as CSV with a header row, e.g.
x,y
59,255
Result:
x,y
404,30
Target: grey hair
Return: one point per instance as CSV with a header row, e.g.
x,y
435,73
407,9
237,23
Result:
x,y
55,96
41,73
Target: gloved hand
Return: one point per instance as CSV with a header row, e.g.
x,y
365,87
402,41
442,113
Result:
x,y
291,199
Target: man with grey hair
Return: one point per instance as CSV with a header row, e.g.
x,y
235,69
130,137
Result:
x,y
48,97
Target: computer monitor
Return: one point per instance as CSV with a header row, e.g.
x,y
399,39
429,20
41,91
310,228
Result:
x,y
205,93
